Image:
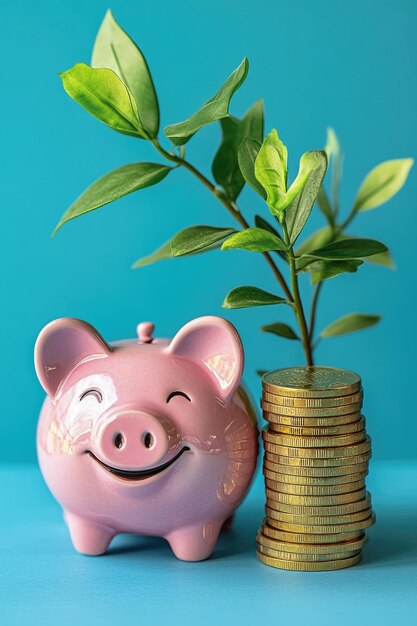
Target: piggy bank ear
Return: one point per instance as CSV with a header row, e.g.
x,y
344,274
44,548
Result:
x,y
61,346
215,343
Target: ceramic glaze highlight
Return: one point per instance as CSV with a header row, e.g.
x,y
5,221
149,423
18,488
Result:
x,y
145,436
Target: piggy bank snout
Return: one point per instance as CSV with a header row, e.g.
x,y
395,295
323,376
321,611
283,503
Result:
x,y
133,440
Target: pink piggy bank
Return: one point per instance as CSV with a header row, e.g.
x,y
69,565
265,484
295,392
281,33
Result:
x,y
145,436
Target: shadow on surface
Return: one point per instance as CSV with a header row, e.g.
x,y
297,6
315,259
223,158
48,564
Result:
x,y
240,538
125,544
237,540
393,540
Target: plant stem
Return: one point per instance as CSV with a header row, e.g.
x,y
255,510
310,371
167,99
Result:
x,y
298,305
230,206
314,310
337,229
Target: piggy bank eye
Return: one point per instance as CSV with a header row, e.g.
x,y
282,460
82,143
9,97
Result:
x,y
92,392
178,393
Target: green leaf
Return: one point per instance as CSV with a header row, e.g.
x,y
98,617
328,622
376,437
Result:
x,y
322,270
324,205
113,186
187,242
283,330
226,170
318,239
115,50
384,258
254,240
261,372
162,253
349,324
335,157
382,183
196,238
213,110
309,162
261,223
312,170
247,153
348,249
242,297
103,95
271,170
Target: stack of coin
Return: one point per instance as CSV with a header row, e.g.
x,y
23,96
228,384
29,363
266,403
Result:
x,y
316,459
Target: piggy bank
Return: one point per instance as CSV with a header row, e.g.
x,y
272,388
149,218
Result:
x,y
146,436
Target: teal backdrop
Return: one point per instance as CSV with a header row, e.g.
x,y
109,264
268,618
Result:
x,y
349,65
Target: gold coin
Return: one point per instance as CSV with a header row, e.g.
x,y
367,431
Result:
x,y
334,474
335,484
301,431
311,422
313,442
322,502
321,510
311,382
304,513
317,520
314,490
319,453
308,548
316,403
299,566
322,528
304,558
294,411
280,463
284,460
307,538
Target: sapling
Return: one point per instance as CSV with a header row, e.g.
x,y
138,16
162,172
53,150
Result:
x,y
118,90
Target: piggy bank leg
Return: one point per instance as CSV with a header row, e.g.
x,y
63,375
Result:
x,y
194,543
88,537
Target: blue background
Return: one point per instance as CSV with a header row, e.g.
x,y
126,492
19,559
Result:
x,y
350,65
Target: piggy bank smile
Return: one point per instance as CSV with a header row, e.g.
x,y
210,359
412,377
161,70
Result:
x,y
138,475
146,436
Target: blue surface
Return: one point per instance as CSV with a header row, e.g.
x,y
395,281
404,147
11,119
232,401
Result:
x,y
43,581
351,65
